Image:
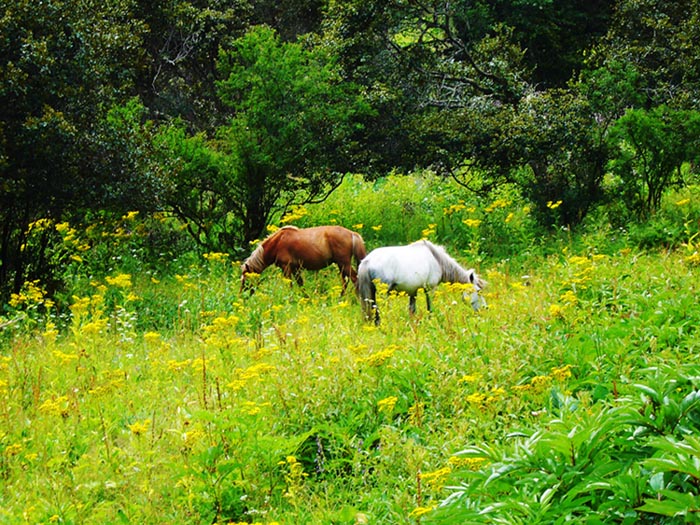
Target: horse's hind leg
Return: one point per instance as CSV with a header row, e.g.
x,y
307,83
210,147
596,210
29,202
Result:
x,y
346,273
373,307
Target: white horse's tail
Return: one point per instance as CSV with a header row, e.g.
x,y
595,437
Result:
x,y
367,291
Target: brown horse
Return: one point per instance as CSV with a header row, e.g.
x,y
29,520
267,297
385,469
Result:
x,y
294,249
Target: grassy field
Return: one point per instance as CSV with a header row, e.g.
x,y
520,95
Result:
x,y
159,398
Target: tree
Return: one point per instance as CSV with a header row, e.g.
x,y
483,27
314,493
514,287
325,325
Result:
x,y
289,140
659,43
652,147
62,66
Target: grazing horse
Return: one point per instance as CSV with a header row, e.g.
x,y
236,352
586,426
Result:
x,y
409,268
294,249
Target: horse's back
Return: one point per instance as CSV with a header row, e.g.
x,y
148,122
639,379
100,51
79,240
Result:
x,y
315,247
405,268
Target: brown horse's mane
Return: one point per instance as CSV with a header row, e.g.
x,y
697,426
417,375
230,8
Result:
x,y
255,262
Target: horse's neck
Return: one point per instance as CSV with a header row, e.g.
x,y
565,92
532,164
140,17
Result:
x,y
451,270
256,261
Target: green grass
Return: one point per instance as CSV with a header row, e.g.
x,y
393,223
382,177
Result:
x,y
174,399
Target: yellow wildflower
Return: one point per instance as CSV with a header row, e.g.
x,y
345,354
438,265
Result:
x,y
387,404
561,373
216,256
437,477
540,382
569,297
556,310
65,358
140,427
420,511
468,462
472,223
379,358
13,450
477,398
123,280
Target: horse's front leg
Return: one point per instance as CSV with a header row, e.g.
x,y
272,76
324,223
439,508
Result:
x,y
293,272
412,304
427,299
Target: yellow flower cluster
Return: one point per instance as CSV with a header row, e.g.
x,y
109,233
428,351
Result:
x,y
454,208
458,287
65,358
415,413
70,237
244,376
561,373
123,280
221,332
467,462
140,427
216,257
472,223
252,408
13,450
297,213
152,338
420,511
498,203
430,230
436,478
387,404
294,477
379,358
32,294
57,406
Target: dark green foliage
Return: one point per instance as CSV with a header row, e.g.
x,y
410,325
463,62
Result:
x,y
227,113
652,147
62,67
631,460
289,137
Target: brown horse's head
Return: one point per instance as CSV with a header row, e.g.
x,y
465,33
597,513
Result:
x,y
252,265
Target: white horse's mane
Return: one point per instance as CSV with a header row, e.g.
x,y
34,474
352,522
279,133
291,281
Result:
x,y
452,271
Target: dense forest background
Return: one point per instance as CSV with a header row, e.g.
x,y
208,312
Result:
x,y
226,114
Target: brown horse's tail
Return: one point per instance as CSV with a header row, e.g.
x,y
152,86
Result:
x,y
358,247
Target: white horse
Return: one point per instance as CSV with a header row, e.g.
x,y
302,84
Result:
x,y
408,269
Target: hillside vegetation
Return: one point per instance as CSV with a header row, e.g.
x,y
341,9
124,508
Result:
x,y
161,394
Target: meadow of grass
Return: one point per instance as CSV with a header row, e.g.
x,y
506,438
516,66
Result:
x,y
170,397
